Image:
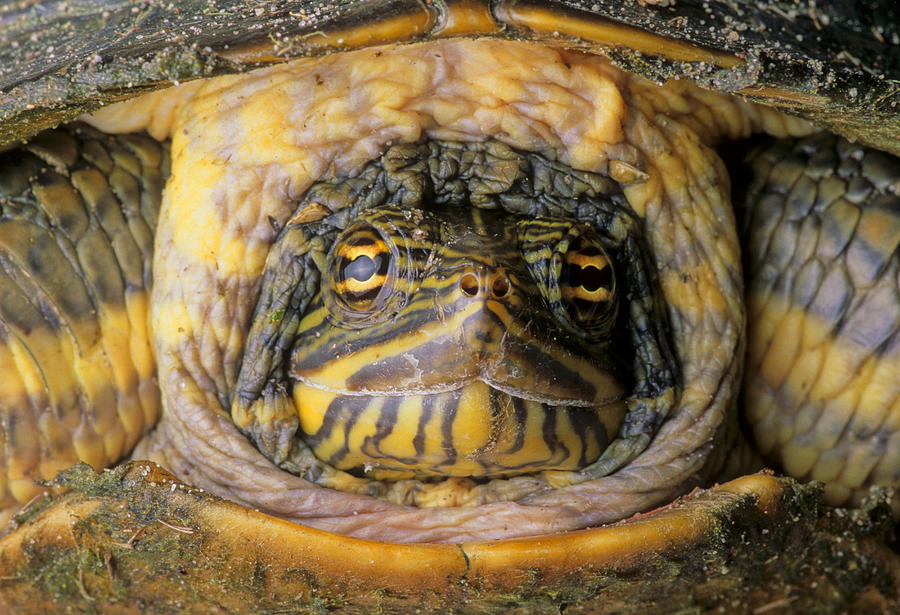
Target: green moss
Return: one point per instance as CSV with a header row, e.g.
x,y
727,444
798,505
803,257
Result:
x,y
275,316
32,510
146,548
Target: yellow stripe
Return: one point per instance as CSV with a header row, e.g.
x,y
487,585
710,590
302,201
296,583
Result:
x,y
333,374
389,30
311,404
814,402
596,30
481,440
51,370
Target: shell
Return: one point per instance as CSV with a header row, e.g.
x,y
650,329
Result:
x,y
56,65
118,532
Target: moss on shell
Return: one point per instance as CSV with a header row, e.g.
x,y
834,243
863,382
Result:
x,y
136,540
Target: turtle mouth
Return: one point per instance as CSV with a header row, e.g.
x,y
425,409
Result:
x,y
614,394
610,397
473,431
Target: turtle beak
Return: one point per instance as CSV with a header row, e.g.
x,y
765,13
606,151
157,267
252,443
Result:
x,y
506,348
483,329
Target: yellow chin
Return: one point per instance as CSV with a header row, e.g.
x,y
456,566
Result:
x,y
474,431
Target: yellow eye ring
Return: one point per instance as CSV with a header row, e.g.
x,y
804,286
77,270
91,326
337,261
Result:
x,y
361,268
587,281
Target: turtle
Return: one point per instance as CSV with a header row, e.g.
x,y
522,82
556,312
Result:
x,y
422,293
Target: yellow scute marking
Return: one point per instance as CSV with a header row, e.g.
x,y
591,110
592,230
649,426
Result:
x,y
467,18
536,17
30,381
141,348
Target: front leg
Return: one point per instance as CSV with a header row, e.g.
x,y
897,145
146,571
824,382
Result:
x,y
822,393
78,213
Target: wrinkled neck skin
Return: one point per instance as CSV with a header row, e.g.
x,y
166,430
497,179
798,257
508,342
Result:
x,y
244,150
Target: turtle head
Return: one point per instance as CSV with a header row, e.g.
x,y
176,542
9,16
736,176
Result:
x,y
479,324
456,312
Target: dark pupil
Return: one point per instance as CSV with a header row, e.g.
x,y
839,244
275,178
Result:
x,y
362,268
590,278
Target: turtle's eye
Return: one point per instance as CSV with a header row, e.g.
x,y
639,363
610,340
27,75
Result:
x,y
362,268
587,282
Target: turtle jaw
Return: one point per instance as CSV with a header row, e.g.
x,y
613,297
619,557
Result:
x,y
479,340
473,431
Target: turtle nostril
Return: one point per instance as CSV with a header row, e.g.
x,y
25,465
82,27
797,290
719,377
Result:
x,y
469,285
500,286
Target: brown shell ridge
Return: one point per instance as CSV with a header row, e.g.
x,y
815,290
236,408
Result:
x,y
832,65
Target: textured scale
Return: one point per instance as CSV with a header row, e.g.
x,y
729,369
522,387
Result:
x,y
822,389
270,167
246,154
79,212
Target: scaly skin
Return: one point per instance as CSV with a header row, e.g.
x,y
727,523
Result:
x,y
79,212
240,162
821,387
136,529
238,166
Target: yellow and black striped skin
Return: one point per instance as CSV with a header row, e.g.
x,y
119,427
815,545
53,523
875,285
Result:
x,y
447,358
78,380
822,254
216,239
451,280
822,381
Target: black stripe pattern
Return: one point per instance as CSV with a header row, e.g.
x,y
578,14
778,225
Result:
x,y
474,311
78,211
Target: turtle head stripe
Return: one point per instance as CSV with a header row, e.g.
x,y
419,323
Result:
x,y
457,303
409,329
459,340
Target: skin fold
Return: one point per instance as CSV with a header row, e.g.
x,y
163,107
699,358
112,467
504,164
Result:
x,y
244,151
236,169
